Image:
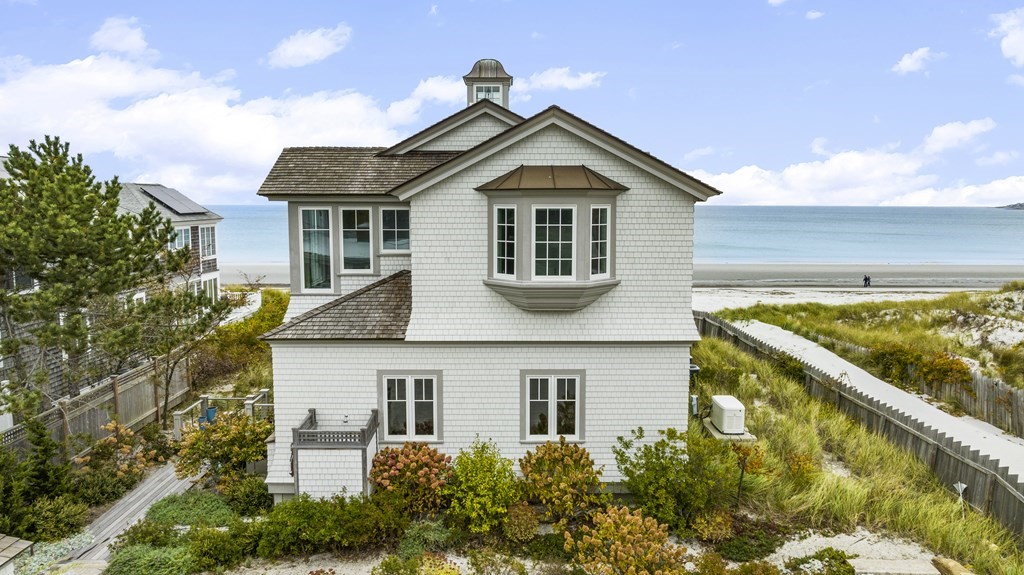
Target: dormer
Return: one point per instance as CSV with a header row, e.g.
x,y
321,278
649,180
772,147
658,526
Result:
x,y
488,80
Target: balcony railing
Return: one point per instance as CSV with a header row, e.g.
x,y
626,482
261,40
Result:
x,y
309,435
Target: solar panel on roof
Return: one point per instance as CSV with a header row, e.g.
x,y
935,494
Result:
x,y
174,200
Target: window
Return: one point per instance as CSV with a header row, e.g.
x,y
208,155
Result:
x,y
599,242
553,406
183,239
355,239
553,247
16,280
207,242
316,248
411,407
394,229
492,93
210,289
505,241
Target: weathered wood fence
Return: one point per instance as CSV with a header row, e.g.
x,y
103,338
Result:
x,y
990,400
990,487
134,396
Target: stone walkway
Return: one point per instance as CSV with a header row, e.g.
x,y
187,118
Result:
x,y
980,436
130,509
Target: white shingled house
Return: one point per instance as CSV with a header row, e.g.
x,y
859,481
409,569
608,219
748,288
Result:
x,y
514,278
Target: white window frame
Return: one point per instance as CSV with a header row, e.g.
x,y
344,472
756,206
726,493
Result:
x,y
182,239
302,251
211,288
341,240
533,242
211,231
384,249
515,241
410,400
607,242
551,381
495,89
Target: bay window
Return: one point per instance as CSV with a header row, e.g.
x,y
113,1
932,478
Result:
x,y
553,246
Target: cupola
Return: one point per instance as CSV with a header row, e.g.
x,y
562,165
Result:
x,y
488,80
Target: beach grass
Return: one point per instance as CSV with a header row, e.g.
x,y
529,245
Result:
x,y
886,489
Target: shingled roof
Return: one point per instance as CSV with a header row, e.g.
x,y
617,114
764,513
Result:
x,y
378,311
318,171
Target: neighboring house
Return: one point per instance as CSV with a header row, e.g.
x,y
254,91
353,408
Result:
x,y
10,549
516,279
196,227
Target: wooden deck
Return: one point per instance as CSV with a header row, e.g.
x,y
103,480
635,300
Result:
x,y
160,483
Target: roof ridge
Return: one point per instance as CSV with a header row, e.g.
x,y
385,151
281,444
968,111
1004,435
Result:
x,y
335,302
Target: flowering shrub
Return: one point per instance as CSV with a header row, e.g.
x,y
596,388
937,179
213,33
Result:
x,y
624,542
113,466
562,476
226,445
482,485
416,471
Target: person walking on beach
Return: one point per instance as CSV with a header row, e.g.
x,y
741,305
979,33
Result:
x,y
867,281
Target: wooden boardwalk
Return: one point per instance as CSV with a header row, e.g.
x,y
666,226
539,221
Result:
x,y
129,510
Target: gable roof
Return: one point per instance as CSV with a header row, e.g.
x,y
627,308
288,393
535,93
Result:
x,y
169,202
454,121
380,310
318,171
555,116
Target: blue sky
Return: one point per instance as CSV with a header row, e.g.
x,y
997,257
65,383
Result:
x,y
793,102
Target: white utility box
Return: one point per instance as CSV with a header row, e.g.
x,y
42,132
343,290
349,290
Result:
x,y
727,414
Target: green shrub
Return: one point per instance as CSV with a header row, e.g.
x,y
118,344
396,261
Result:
x,y
193,508
248,496
416,471
481,487
521,523
395,565
710,563
562,476
224,447
291,527
423,536
431,564
147,532
894,362
624,541
157,441
547,547
150,561
674,480
99,486
57,518
713,527
214,548
828,561
750,546
487,562
234,345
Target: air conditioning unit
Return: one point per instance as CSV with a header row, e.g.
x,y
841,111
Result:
x,y
727,414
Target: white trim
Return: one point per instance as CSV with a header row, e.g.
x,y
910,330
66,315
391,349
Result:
x,y
533,242
383,250
213,232
302,252
341,240
501,113
478,86
515,241
410,407
552,401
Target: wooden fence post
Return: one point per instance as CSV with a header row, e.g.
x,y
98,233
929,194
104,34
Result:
x,y
117,397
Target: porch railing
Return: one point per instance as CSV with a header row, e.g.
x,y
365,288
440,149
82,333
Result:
x,y
254,405
307,434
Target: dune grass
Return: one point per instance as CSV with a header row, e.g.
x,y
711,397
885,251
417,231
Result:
x,y
888,489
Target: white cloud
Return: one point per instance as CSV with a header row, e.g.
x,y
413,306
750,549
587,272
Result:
x,y
698,153
433,10
813,14
776,2
915,61
875,176
309,46
436,89
119,35
997,158
818,147
536,35
955,134
1010,31
559,79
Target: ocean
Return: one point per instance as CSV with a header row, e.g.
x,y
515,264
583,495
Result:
x,y
751,234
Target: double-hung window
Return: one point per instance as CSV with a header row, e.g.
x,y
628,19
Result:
x,y
316,248
207,241
411,407
554,244
553,406
599,242
356,240
505,241
394,229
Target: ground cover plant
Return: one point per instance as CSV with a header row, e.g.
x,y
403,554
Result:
x,y
888,488
963,324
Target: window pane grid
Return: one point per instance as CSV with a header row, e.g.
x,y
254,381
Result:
x,y
505,242
395,229
552,395
553,237
410,405
355,239
598,241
